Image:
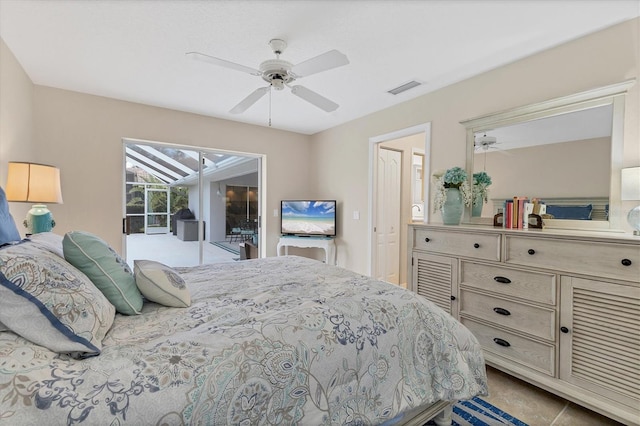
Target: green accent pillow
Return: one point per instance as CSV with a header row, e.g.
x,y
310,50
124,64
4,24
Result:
x,y
161,284
105,268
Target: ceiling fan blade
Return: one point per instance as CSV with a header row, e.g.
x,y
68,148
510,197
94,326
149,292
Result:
x,y
222,63
326,61
250,100
314,98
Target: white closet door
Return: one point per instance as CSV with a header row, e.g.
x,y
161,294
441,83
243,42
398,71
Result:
x,y
388,215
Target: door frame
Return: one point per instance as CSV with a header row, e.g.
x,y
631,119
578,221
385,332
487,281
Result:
x,y
262,188
373,196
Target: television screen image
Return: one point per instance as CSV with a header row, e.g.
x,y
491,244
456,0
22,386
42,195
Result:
x,y
308,217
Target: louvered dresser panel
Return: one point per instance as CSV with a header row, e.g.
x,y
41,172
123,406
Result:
x,y
435,279
600,341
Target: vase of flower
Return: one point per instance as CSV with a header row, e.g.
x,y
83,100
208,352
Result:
x,y
452,208
478,203
481,182
452,194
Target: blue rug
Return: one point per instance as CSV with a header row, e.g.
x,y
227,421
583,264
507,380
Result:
x,y
478,412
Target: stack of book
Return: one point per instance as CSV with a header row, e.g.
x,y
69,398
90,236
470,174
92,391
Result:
x,y
517,210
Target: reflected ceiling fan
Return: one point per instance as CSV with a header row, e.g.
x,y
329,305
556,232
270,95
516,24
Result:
x,y
280,73
484,143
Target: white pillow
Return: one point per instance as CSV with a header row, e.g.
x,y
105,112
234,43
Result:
x,y
161,284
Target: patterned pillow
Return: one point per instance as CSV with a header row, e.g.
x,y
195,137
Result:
x,y
49,241
49,302
105,268
161,284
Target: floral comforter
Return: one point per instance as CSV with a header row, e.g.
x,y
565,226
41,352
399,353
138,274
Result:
x,y
282,340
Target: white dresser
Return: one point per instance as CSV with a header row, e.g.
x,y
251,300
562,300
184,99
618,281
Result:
x,y
558,309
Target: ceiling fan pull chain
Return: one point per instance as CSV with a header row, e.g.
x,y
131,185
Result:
x,y
269,106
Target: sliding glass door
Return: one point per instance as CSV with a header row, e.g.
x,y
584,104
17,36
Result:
x,y
177,202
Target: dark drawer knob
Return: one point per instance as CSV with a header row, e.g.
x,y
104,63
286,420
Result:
x,y
453,298
531,251
476,245
564,329
501,342
426,240
501,311
626,262
502,280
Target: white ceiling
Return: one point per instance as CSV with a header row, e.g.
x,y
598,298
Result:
x,y
135,50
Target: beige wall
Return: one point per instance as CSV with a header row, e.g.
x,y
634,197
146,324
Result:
x,y
342,158
82,134
16,120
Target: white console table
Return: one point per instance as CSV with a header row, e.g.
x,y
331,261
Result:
x,y
327,244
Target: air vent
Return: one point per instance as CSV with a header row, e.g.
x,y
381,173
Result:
x,y
404,87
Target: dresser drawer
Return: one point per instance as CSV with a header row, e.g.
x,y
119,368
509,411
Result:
x,y
534,286
467,244
610,260
537,355
536,321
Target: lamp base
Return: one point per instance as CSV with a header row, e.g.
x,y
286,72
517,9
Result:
x,y
39,219
634,219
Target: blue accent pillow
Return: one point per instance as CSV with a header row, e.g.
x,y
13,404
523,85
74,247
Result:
x,y
8,231
570,212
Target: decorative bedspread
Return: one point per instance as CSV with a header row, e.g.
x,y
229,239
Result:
x,y
282,340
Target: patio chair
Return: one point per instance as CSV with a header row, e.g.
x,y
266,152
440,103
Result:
x,y
235,234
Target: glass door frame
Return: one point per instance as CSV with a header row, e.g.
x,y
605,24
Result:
x,y
202,152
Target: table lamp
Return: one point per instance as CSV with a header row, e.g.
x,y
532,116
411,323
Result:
x,y
631,191
35,183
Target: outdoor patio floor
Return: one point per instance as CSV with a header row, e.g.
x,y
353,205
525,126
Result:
x,y
168,249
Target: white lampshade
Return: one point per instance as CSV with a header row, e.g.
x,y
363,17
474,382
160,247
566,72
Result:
x,y
33,183
630,184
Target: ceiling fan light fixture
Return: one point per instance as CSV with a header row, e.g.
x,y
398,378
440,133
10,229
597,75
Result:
x,y
277,83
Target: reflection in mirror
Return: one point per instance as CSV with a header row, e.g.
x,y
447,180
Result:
x,y
564,160
566,152
417,185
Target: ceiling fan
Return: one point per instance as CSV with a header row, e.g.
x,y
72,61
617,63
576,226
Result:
x,y
484,143
280,73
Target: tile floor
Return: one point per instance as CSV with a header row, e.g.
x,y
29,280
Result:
x,y
537,407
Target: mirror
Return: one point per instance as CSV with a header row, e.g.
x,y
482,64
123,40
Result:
x,y
566,152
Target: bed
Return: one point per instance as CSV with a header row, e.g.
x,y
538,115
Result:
x,y
280,340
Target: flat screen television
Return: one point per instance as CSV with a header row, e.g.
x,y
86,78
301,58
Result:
x,y
308,218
